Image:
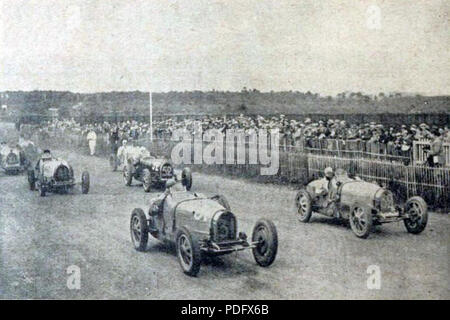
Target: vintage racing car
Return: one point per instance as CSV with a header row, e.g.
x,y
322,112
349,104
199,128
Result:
x,y
138,164
55,175
362,203
12,159
199,225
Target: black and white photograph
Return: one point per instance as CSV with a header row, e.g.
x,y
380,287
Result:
x,y
224,150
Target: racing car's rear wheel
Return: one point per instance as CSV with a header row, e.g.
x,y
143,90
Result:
x,y
127,175
85,182
417,210
265,233
361,221
188,252
146,180
113,162
186,178
139,229
303,203
31,180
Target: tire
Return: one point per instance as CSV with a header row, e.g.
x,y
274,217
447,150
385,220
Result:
x,y
85,182
222,201
113,162
31,180
303,202
417,207
186,178
42,190
139,229
127,174
361,221
265,252
146,180
188,252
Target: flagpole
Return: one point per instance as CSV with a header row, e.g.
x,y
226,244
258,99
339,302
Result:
x,y
151,117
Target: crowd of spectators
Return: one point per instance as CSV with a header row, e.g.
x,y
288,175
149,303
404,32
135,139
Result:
x,y
396,140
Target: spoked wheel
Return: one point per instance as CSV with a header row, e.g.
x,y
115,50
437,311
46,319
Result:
x,y
303,202
188,252
127,175
361,221
417,210
139,229
266,235
146,180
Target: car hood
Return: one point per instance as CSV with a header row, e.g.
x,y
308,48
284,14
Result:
x,y
50,166
152,162
204,208
359,192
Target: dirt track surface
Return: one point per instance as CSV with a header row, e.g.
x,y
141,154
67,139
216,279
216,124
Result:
x,y
41,237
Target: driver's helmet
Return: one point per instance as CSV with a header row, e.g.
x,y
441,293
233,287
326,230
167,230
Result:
x,y
329,173
124,142
46,155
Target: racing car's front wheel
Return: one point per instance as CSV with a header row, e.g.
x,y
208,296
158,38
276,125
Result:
x,y
85,182
303,203
139,229
146,180
127,175
417,210
361,221
266,236
188,252
186,178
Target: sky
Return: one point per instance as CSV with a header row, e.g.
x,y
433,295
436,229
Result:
x,y
321,46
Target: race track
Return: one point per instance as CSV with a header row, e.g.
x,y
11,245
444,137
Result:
x,y
41,237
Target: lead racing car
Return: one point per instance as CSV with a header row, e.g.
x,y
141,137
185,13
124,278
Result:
x,y
138,164
199,225
362,203
51,174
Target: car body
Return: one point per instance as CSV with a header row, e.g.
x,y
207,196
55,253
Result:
x,y
52,174
12,159
362,203
199,225
138,164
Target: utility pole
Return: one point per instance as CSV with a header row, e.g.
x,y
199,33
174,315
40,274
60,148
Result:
x,y
151,116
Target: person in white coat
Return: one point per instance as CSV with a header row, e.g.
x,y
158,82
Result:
x,y
92,141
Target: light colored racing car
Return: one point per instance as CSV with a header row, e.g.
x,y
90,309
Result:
x,y
362,203
51,174
12,159
199,225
